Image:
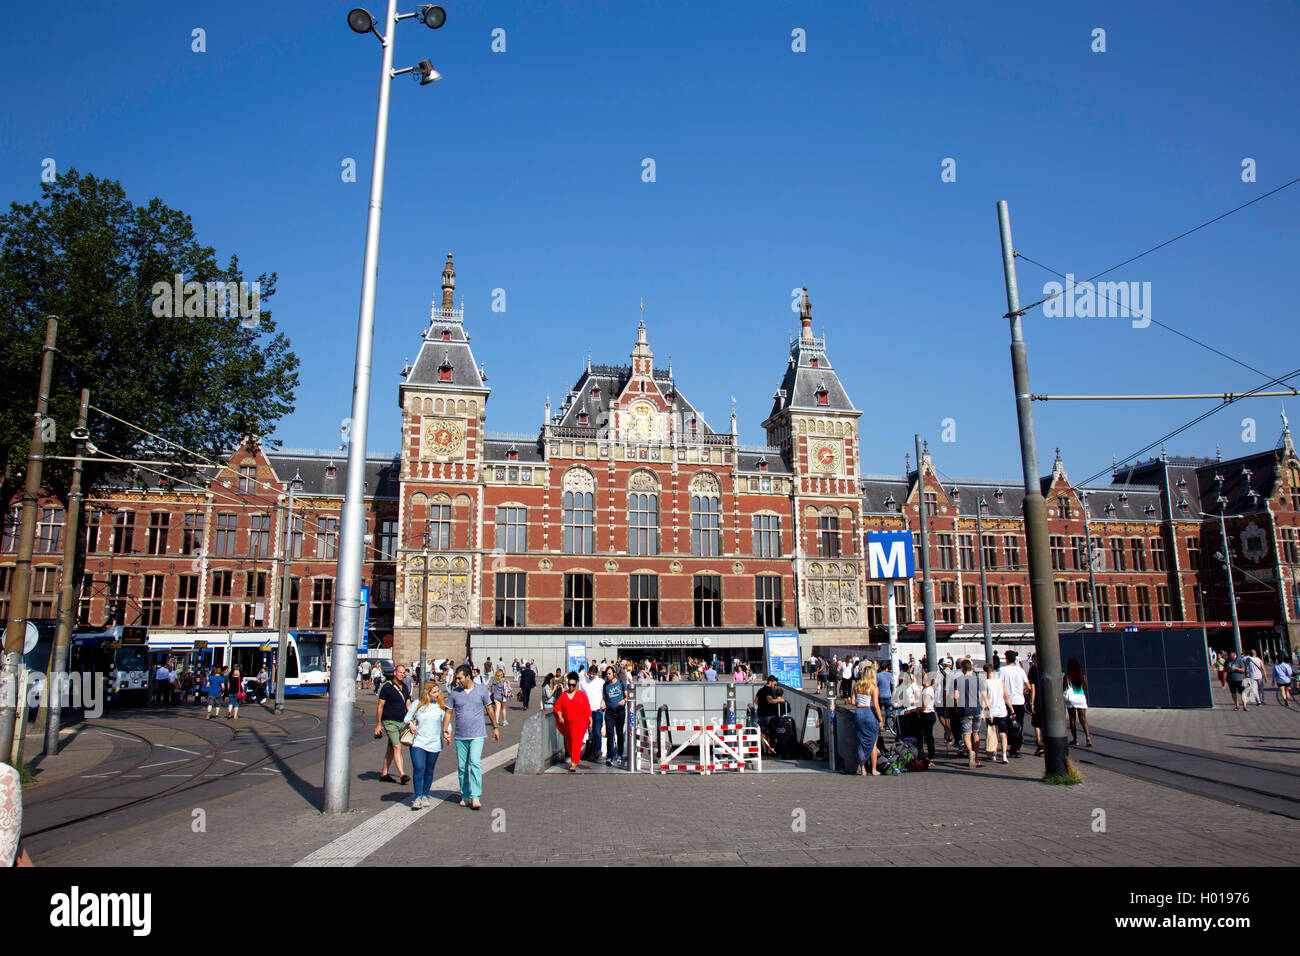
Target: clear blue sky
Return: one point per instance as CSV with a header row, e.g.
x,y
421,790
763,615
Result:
x,y
775,169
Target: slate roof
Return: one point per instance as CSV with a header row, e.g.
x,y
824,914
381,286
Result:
x,y
877,488
434,352
381,477
802,381
496,449
610,380
747,461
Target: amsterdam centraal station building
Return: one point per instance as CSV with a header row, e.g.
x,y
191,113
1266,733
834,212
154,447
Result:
x,y
628,522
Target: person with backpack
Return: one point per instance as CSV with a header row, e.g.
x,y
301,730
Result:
x,y
867,717
966,699
994,698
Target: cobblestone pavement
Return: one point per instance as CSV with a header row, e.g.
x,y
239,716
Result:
x,y
997,815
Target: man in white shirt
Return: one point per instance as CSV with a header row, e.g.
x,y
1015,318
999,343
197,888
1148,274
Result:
x,y
1014,680
594,688
162,687
846,677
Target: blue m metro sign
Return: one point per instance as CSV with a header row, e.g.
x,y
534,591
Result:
x,y
889,554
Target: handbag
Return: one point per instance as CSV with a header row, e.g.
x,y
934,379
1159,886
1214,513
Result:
x,y
1074,696
408,737
240,697
990,739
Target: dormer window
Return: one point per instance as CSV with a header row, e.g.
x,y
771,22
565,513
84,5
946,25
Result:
x,y
512,454
955,493
1182,482
813,361
1123,498
999,494
762,464
823,396
446,335
1149,510
1110,508
297,483
444,370
693,426
595,392
582,418
331,470
889,501
1182,504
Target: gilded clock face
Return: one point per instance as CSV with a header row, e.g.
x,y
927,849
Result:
x,y
825,456
642,420
444,437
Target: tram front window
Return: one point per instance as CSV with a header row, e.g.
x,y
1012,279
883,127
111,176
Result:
x,y
311,656
131,659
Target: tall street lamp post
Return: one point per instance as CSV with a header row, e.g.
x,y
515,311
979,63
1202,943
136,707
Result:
x,y
347,599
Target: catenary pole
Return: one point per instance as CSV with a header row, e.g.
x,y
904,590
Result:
x,y
285,584
347,597
58,669
927,584
16,630
984,584
1092,574
1046,639
1232,590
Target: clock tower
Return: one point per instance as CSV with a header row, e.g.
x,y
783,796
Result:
x,y
443,401
815,425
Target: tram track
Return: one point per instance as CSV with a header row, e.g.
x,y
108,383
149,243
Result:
x,y
1270,788
200,777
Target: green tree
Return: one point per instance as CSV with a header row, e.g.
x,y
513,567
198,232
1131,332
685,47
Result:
x,y
86,254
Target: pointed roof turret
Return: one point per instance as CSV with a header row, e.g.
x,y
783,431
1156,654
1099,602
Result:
x,y
448,284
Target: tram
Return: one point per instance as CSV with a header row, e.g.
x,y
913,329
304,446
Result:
x,y
120,655
305,664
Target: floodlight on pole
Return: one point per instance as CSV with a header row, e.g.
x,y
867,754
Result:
x,y
432,16
361,21
351,545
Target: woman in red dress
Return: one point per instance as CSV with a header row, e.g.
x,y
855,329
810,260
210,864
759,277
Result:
x,y
572,717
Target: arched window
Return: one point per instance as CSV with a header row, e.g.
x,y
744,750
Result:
x,y
642,513
579,511
706,528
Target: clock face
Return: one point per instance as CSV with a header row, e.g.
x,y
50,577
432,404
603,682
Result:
x,y
444,437
825,456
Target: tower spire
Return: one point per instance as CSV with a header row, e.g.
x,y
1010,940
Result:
x,y
448,285
805,317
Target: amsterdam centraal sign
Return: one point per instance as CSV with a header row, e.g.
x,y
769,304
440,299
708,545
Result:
x,y
655,642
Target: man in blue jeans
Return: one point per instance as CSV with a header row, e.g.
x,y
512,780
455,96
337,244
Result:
x,y
594,688
615,694
468,705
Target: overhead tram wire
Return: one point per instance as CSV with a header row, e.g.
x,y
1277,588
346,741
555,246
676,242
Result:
x,y
1167,328
1161,245
1195,421
235,498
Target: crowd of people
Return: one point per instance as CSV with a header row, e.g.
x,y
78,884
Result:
x,y
216,685
1245,675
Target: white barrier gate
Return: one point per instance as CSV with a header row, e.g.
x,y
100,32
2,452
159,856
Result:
x,y
721,746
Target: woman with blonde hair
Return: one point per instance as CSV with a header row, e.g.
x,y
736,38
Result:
x,y
424,720
866,716
500,694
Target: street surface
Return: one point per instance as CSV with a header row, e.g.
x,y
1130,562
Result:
x,y
265,812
